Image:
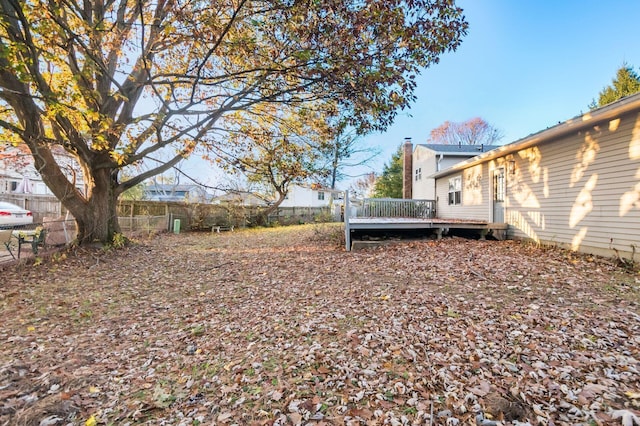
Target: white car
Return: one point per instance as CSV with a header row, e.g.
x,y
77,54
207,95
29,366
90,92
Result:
x,y
11,215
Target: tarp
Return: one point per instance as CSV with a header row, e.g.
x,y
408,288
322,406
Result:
x,y
25,186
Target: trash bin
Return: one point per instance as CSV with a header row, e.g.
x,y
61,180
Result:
x,y
176,226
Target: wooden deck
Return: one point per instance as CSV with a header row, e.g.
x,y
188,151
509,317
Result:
x,y
392,214
413,223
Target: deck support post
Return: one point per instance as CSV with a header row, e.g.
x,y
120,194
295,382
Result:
x,y
347,231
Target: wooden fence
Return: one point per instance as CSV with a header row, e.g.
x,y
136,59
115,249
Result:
x,y
192,216
40,205
158,215
147,224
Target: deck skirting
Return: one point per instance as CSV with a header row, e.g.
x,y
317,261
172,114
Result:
x,y
441,226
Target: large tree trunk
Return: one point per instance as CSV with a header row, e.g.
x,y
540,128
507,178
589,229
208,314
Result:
x,y
97,220
95,211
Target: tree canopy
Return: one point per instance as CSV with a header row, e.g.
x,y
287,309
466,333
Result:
x,y
625,83
274,148
113,82
342,151
475,131
389,183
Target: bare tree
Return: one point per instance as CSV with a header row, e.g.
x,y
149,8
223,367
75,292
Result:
x,y
364,186
475,131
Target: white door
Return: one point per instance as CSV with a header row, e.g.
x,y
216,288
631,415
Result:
x,y
498,195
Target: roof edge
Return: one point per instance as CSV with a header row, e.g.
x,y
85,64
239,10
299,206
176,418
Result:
x,y
623,106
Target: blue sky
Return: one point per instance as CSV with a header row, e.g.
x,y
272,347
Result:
x,y
524,66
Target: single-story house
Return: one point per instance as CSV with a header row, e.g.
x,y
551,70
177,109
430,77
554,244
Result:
x,y
574,185
426,159
174,192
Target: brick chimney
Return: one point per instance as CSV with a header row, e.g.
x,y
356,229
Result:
x,y
407,168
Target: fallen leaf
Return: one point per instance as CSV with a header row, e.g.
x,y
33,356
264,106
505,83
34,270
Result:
x,y
223,417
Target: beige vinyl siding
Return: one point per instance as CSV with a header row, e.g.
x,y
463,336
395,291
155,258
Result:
x,y
427,160
423,189
583,189
476,202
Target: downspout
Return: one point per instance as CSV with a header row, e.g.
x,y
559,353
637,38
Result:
x,y
438,162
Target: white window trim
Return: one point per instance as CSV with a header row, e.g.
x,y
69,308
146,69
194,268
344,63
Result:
x,y
455,191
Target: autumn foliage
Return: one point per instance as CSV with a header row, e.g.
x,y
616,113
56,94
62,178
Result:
x,y
117,83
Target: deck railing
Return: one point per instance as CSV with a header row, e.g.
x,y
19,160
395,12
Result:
x,y
393,207
384,208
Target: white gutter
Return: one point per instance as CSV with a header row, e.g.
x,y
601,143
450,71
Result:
x,y
608,112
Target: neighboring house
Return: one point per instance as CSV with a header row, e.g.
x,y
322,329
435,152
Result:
x,y
576,185
310,196
173,192
427,159
239,199
19,175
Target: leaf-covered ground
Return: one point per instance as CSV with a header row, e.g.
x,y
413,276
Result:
x,y
282,326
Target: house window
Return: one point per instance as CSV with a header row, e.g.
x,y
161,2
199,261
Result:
x,y
418,173
14,186
455,190
320,195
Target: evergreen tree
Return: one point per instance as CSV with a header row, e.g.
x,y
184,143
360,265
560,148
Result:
x,y
389,184
626,83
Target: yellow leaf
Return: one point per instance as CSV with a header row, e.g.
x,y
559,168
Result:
x,y
384,297
93,389
633,395
31,328
91,421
